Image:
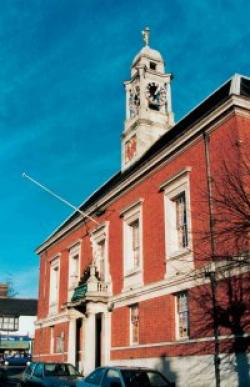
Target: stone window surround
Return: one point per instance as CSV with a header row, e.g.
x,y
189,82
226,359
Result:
x,y
131,327
129,215
173,187
54,266
98,235
74,250
177,320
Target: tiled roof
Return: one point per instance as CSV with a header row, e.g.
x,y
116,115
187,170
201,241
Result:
x,y
18,307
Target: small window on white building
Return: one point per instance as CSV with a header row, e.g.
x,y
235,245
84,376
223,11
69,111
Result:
x,y
9,323
132,245
134,324
182,315
54,285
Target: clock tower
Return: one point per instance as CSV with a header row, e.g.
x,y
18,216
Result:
x,y
148,104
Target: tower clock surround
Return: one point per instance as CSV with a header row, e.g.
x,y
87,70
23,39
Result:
x,y
148,103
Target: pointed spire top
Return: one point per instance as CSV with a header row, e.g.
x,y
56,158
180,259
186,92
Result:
x,y
146,35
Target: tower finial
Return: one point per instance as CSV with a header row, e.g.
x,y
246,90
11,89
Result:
x,y
146,35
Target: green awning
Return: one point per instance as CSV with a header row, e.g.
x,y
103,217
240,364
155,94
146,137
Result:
x,y
14,344
79,292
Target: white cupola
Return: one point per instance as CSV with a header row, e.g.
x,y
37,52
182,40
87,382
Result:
x,y
148,104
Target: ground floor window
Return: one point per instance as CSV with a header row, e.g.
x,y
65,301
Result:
x,y
134,324
182,315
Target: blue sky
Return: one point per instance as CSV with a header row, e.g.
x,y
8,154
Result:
x,y
62,67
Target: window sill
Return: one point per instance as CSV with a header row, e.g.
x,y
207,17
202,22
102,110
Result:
x,y
182,339
179,253
132,273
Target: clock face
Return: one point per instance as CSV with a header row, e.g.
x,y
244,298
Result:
x,y
134,101
155,94
130,149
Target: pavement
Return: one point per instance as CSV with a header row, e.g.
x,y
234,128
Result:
x,y
10,376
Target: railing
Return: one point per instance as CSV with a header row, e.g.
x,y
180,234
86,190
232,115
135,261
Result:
x,y
92,288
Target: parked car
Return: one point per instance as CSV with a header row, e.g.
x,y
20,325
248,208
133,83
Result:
x,y
125,377
17,360
50,375
3,377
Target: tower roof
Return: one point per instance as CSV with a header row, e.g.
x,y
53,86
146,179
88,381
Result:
x,y
149,53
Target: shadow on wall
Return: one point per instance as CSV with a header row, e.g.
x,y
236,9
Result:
x,y
163,365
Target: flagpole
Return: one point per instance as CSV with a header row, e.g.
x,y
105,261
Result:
x,y
49,191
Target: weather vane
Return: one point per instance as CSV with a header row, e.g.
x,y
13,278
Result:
x,y
146,34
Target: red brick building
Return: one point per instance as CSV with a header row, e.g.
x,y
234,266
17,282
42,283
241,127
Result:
x,y
159,275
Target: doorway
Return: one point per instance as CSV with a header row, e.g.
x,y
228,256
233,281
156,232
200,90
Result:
x,y
98,342
78,343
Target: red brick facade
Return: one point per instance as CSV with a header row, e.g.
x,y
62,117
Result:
x,y
228,135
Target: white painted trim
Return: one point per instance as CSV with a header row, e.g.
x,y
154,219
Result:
x,y
171,179
54,265
234,102
175,262
57,319
132,278
178,342
130,207
98,235
172,285
235,84
74,250
75,243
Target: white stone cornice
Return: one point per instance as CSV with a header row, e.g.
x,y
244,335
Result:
x,y
235,103
57,319
178,283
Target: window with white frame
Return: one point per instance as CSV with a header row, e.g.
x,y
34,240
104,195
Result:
x,y
132,245
99,239
134,324
132,242
52,339
177,214
181,221
54,285
182,315
59,343
74,266
9,323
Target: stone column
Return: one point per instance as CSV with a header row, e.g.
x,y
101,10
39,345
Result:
x,y
106,338
89,343
72,342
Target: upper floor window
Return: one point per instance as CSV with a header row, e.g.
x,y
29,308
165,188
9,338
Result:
x,y
181,220
54,285
132,238
182,315
177,214
99,239
132,245
134,324
74,265
133,234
